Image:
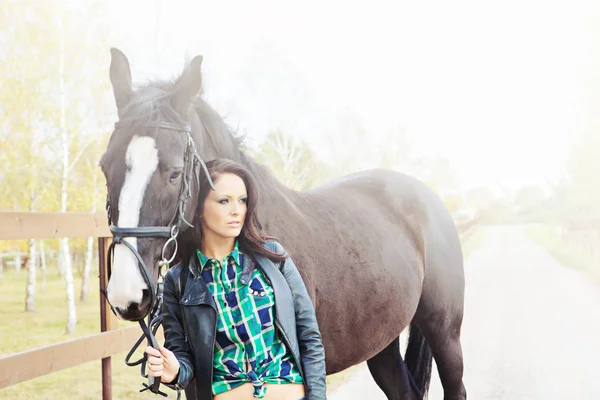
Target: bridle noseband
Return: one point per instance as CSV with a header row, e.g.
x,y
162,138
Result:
x,y
191,165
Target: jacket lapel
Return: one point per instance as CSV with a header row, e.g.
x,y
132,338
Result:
x,y
196,292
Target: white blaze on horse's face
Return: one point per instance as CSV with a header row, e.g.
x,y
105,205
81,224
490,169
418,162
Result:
x,y
126,285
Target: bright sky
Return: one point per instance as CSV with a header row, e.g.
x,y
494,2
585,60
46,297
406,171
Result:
x,y
495,87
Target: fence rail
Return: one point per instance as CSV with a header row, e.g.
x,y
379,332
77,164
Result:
x,y
26,365
30,364
37,225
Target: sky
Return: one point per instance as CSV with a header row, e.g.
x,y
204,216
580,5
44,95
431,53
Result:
x,y
498,88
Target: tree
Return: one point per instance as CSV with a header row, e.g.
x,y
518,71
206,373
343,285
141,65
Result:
x,y
438,173
529,198
292,162
91,169
480,198
23,107
583,170
397,153
352,148
52,60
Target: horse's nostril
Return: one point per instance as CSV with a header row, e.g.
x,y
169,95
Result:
x,y
146,297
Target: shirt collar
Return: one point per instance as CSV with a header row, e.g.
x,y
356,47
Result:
x,y
235,255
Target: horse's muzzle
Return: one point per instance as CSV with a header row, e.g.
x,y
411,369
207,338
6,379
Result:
x,y
136,311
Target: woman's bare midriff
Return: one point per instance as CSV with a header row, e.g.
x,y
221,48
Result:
x,y
288,391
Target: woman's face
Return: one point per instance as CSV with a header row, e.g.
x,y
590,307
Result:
x,y
225,207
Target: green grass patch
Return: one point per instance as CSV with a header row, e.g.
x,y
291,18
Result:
x,y
21,331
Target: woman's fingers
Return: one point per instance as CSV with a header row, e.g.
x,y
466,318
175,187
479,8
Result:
x,y
165,352
151,351
156,368
155,362
162,363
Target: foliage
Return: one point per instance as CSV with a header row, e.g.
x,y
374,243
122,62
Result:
x,y
293,163
30,105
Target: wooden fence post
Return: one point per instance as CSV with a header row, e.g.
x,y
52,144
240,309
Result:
x,y
108,320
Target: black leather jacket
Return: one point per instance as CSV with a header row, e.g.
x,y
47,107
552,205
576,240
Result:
x,y
189,323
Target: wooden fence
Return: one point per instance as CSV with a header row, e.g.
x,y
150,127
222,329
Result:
x,y
20,367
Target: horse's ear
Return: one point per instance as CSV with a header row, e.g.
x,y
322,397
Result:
x,y
120,78
188,86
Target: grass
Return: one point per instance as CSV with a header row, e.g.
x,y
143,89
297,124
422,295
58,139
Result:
x,y
562,251
22,331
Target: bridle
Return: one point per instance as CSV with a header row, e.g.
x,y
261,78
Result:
x,y
191,165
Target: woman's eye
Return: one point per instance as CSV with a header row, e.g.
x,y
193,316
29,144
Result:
x,y
244,201
174,176
223,201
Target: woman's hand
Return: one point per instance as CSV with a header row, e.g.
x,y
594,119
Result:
x,y
163,363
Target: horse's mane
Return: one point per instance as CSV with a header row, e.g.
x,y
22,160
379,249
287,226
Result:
x,y
151,102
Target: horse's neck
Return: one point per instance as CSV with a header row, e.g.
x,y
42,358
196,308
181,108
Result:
x,y
215,138
219,142
275,199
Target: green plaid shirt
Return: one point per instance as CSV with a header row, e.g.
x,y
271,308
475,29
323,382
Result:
x,y
245,328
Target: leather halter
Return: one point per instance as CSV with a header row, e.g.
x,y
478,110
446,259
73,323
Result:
x,y
192,161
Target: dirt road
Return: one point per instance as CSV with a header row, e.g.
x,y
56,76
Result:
x,y
531,328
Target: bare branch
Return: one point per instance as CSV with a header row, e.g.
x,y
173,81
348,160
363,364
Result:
x,y
78,156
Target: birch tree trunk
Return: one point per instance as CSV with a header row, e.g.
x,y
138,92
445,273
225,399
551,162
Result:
x,y
18,262
32,262
31,276
85,283
64,242
90,245
43,262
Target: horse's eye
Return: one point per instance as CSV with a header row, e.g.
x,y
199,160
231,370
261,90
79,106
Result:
x,y
174,176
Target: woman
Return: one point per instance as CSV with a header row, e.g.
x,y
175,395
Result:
x,y
220,322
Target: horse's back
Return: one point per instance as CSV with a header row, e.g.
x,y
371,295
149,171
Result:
x,y
360,240
400,194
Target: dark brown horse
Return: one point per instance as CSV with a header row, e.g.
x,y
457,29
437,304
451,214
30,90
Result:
x,y
377,249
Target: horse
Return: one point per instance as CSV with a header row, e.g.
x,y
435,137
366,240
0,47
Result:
x,y
377,249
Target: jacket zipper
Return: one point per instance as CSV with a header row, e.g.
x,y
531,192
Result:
x,y
185,329
212,349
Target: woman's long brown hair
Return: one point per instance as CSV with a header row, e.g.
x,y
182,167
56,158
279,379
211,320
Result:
x,y
250,240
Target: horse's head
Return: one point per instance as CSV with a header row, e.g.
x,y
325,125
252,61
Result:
x,y
151,168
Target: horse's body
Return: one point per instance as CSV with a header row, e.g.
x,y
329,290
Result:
x,y
378,252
